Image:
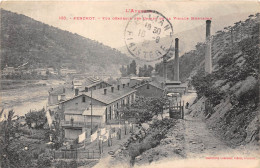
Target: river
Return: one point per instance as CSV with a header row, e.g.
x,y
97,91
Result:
x,y
24,99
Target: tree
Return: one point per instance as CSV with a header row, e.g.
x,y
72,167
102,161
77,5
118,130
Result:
x,y
123,71
36,117
132,67
12,153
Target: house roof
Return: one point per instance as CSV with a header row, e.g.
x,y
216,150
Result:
x,y
57,91
96,111
110,97
153,83
92,81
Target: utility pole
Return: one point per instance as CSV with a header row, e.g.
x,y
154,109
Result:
x,y
91,111
164,69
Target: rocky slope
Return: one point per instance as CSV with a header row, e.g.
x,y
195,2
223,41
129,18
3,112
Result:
x,y
230,95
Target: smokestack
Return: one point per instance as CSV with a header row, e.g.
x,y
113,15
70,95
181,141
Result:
x,y
176,61
208,59
76,92
105,91
112,89
118,87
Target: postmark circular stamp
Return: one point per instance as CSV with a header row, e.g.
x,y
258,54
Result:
x,y
148,35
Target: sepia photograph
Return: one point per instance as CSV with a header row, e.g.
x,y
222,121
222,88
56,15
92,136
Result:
x,y
129,84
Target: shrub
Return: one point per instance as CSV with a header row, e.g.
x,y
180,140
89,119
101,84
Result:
x,y
36,117
44,160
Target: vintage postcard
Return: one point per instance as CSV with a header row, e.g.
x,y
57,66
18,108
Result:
x,y
144,83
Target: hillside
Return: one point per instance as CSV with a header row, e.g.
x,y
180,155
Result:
x,y
26,40
231,92
190,61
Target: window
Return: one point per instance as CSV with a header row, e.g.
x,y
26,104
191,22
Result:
x,y
148,86
83,99
110,113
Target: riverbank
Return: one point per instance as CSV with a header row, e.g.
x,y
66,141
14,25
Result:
x,y
26,98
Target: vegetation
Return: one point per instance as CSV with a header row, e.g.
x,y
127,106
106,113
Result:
x,y
130,69
36,119
144,109
235,78
12,152
26,40
145,71
141,142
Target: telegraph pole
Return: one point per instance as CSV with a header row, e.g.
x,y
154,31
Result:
x,y
91,111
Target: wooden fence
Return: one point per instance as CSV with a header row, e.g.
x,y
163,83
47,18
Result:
x,y
75,154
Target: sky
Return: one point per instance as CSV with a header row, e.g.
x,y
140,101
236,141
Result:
x,y
111,32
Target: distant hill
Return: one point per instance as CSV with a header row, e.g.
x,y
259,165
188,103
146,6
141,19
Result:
x,y
26,40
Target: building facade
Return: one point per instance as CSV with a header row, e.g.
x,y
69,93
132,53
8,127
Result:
x,y
101,103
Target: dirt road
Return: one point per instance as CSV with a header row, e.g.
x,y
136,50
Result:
x,y
201,148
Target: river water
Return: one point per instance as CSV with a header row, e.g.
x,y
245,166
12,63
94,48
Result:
x,y
24,99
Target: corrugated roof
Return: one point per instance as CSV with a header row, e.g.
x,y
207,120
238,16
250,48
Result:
x,y
96,110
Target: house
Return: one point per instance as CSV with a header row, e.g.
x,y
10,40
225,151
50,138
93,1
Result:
x,y
8,70
132,81
41,71
93,83
176,87
101,103
56,95
149,89
66,71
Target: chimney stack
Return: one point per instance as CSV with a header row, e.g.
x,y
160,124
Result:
x,y
176,61
118,87
105,91
208,59
128,84
123,85
86,89
112,89
76,92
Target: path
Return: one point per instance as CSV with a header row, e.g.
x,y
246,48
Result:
x,y
201,143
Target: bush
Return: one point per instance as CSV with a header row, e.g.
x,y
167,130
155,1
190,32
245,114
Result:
x,y
64,164
36,117
44,160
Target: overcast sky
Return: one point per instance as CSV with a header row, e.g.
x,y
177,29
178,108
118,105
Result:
x,y
111,32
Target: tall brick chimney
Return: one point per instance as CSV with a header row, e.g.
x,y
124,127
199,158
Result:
x,y
118,87
105,91
208,59
176,61
123,85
